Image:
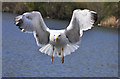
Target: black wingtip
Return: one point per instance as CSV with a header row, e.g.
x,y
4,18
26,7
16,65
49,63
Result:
x,y
21,29
94,17
19,22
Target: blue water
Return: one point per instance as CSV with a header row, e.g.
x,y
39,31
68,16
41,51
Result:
x,y
96,57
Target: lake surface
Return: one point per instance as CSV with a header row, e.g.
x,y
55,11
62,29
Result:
x,y
97,55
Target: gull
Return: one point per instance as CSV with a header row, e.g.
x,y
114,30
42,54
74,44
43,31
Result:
x,y
57,43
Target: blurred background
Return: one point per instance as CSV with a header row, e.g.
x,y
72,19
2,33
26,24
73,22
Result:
x,y
107,11
97,55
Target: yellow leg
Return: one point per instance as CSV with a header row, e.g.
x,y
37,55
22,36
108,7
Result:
x,y
62,56
52,56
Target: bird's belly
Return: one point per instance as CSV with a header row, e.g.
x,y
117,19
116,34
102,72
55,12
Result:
x,y
58,46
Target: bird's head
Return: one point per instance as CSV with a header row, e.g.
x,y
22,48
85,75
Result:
x,y
57,37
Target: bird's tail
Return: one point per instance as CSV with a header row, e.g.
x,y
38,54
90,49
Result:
x,y
47,49
68,49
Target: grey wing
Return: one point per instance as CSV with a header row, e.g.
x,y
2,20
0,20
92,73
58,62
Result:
x,y
82,20
33,23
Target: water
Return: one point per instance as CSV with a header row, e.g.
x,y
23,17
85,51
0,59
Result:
x,y
96,57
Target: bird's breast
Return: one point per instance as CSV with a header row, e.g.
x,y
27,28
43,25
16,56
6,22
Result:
x,y
58,43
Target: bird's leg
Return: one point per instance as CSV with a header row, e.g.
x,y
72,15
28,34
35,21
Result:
x,y
52,56
62,56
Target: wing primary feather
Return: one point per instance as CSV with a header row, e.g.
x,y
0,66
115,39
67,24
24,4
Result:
x,y
94,16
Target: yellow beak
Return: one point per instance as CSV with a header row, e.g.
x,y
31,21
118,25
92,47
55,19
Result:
x,y
56,38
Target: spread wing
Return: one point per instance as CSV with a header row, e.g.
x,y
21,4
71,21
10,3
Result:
x,y
82,20
33,23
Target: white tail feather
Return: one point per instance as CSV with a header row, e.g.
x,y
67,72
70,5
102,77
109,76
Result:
x,y
47,49
68,49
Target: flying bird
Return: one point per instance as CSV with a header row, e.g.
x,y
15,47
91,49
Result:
x,y
57,43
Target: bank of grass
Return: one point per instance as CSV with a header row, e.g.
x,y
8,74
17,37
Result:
x,y
110,22
107,11
15,7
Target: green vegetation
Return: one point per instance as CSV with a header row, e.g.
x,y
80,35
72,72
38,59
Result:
x,y
63,10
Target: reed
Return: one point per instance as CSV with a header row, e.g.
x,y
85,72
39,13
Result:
x,y
110,22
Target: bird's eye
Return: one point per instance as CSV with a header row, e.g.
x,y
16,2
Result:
x,y
59,35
